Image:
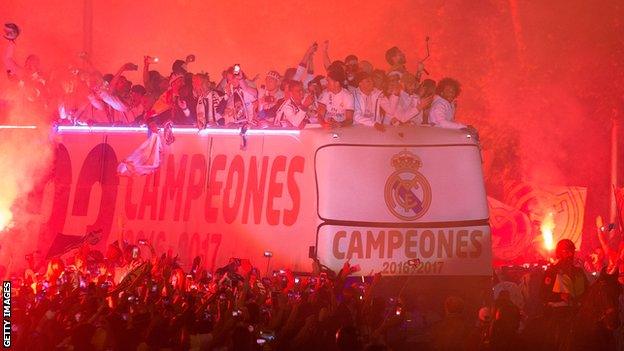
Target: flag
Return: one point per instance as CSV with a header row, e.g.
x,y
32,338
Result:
x,y
566,205
512,234
64,243
145,159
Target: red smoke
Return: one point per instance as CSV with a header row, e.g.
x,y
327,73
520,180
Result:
x,y
540,79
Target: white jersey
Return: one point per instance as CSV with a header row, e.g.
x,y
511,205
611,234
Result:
x,y
273,97
289,115
367,107
403,108
442,114
337,104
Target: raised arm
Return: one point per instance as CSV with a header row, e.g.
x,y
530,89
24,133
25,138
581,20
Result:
x,y
146,62
305,62
126,67
326,61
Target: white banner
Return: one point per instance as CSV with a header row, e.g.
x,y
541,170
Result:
x,y
407,251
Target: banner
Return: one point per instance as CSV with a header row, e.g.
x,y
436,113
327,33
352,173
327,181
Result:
x,y
408,251
512,234
211,199
566,205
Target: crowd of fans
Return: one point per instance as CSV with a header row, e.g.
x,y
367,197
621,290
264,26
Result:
x,y
131,298
351,91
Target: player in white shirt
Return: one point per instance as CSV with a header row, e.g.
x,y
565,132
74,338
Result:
x,y
442,113
269,94
335,106
366,101
401,108
292,112
240,98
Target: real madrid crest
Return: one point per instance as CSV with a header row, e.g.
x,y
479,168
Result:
x,y
407,191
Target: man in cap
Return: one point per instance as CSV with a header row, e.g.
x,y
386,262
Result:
x,y
269,94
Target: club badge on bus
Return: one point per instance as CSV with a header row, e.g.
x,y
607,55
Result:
x,y
407,191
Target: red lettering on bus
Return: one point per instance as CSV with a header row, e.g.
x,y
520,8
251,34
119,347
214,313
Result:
x,y
230,208
214,188
62,180
173,187
196,182
100,166
255,189
130,207
296,166
275,190
150,196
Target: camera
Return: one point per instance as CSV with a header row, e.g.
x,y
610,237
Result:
x,y
236,313
237,69
268,254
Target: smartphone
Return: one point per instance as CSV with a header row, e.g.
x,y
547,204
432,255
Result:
x,y
267,335
237,69
398,311
297,280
